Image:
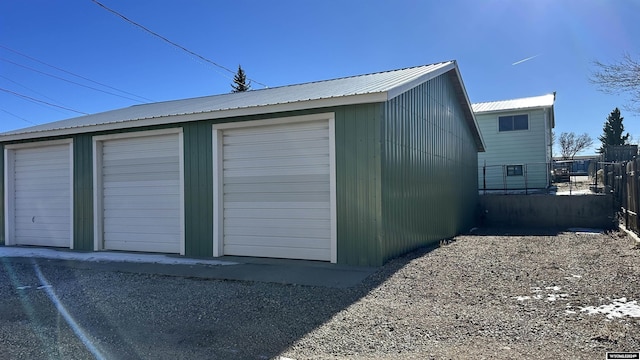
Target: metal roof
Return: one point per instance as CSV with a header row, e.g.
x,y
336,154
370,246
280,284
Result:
x,y
542,101
376,87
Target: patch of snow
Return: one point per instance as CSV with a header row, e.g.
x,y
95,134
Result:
x,y
570,312
554,288
522,298
554,297
585,231
617,309
106,256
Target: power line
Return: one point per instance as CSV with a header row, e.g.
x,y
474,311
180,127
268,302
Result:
x,y
41,101
170,42
70,73
67,80
28,88
19,117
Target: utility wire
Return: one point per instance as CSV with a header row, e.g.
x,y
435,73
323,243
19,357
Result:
x,y
171,42
41,101
19,117
28,88
67,80
70,73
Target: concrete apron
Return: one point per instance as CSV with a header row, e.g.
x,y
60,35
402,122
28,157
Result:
x,y
281,271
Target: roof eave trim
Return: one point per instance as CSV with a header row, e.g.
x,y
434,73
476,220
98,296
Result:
x,y
401,89
541,107
472,122
208,115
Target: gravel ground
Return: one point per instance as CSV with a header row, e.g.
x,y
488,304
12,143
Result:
x,y
488,295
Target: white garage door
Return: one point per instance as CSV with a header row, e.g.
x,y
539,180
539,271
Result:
x,y
42,196
277,191
141,194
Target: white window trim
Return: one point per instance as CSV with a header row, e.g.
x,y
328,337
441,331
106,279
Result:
x,y
218,206
98,216
9,185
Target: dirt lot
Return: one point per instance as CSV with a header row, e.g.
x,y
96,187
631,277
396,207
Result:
x,y
490,295
494,296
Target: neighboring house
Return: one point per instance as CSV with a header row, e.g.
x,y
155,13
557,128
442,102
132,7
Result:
x,y
518,138
354,171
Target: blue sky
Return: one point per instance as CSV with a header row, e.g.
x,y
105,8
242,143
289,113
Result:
x,y
287,42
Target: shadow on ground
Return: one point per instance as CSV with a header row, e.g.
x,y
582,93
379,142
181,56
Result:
x,y
124,314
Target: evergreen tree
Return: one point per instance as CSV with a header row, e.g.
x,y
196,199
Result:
x,y
612,131
240,81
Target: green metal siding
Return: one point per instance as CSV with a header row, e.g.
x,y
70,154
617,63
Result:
x,y
83,192
198,189
358,202
429,173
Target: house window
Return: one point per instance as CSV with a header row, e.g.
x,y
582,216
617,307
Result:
x,y
514,170
513,122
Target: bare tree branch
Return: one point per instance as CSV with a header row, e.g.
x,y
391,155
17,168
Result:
x,y
571,144
618,78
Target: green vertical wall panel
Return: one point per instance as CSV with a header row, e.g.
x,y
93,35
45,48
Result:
x,y
83,192
358,184
198,189
429,176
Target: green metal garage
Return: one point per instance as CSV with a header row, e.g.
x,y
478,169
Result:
x,y
353,171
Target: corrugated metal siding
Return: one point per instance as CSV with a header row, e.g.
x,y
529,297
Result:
x,y
198,189
429,174
82,192
358,199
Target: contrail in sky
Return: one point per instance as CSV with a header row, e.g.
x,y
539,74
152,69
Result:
x,y
527,59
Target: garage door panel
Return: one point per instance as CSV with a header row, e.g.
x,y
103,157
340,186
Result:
x,y
118,222
274,197
140,177
144,229
277,132
146,246
282,187
49,230
160,214
140,161
288,231
276,213
141,203
278,171
140,190
279,205
141,193
278,252
41,198
276,192
277,241
280,223
43,240
322,161
139,185
239,152
58,221
35,197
